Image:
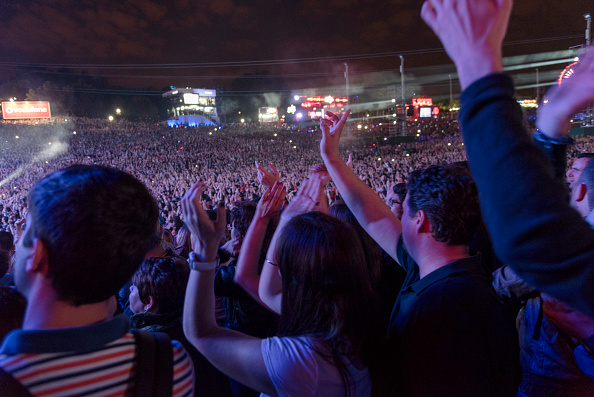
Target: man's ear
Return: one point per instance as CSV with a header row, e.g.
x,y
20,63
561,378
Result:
x,y
150,305
37,261
422,222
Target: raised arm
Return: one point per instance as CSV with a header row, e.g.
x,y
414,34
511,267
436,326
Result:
x,y
246,273
235,354
369,209
310,198
534,230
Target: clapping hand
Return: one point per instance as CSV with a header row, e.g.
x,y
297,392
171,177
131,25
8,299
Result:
x,y
207,234
311,197
271,202
266,178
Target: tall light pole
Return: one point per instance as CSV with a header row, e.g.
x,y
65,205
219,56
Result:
x,y
403,98
588,19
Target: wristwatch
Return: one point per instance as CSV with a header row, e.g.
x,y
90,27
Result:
x,y
196,264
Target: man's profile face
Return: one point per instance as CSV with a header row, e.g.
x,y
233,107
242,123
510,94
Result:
x,y
407,224
574,172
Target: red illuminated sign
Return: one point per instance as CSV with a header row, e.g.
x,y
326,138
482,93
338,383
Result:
x,y
422,102
435,111
26,110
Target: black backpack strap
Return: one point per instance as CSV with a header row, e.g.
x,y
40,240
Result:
x,y
164,378
9,386
154,364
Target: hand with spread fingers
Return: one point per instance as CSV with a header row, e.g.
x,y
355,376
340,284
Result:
x,y
267,178
331,130
207,234
471,32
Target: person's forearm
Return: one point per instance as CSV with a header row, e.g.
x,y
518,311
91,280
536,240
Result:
x,y
246,273
369,209
270,287
198,318
534,230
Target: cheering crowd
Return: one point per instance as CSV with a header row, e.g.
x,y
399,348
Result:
x,y
300,263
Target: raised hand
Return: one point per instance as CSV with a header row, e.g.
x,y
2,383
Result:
x,y
350,161
207,234
331,130
266,178
562,102
311,197
471,32
271,202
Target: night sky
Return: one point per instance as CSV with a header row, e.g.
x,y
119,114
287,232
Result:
x,y
128,36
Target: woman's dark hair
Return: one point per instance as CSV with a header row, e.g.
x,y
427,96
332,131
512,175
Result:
x,y
327,291
164,279
371,249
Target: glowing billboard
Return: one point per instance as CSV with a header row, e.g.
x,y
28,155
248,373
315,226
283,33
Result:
x,y
190,99
26,110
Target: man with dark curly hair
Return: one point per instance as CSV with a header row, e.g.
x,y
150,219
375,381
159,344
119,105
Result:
x,y
447,329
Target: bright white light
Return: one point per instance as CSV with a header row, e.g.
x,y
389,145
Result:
x,y
407,155
393,100
359,126
296,97
379,159
210,133
118,111
17,137
294,147
74,132
110,118
385,139
328,99
299,115
275,134
449,144
243,120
